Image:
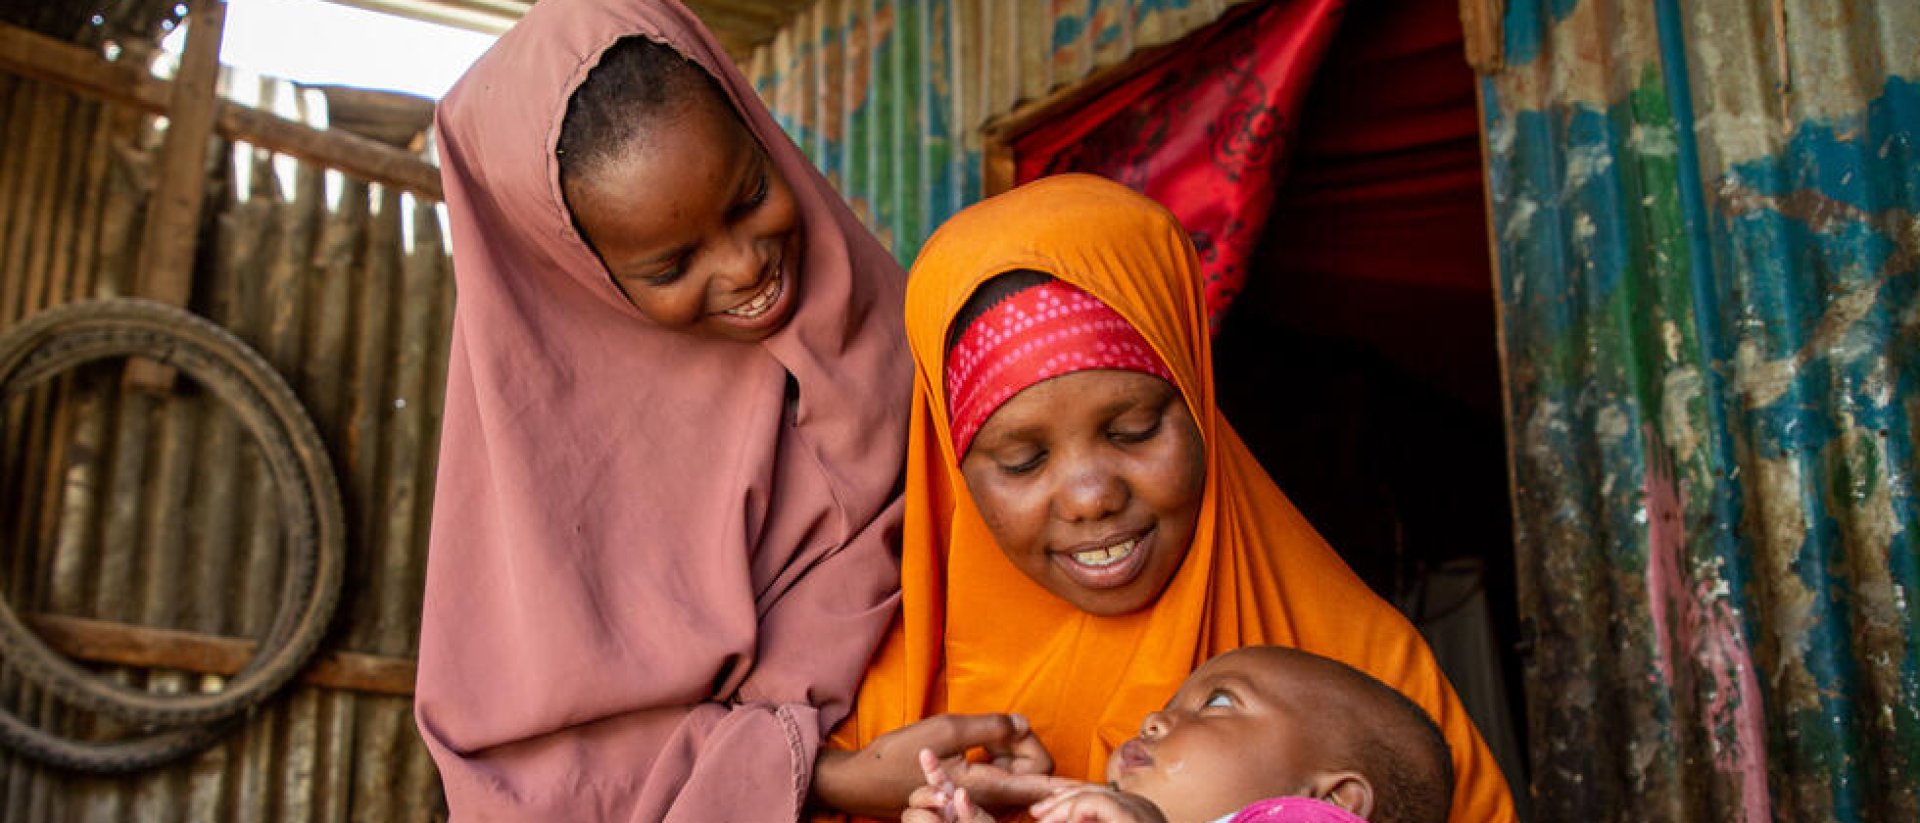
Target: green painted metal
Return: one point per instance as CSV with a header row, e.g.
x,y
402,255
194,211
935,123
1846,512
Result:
x,y
1706,218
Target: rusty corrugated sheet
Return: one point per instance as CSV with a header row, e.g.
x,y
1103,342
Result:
x,y
154,510
1705,220
888,96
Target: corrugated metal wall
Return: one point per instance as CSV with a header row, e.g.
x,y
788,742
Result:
x,y
1705,218
153,510
888,96
131,507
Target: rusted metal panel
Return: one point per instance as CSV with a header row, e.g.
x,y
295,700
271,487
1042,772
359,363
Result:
x,y
155,510
888,96
1704,216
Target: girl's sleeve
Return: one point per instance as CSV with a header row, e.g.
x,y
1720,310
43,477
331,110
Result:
x,y
748,757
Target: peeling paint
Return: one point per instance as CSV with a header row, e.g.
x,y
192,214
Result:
x,y
1679,391
1735,273
1781,526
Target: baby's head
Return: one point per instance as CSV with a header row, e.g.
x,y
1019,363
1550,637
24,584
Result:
x,y
1269,721
1077,448
693,220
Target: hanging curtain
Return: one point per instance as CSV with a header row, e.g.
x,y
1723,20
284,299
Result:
x,y
1204,131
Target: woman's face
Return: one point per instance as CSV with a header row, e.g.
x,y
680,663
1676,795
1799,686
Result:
x,y
1091,483
696,225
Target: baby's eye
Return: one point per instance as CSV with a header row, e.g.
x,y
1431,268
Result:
x,y
1219,700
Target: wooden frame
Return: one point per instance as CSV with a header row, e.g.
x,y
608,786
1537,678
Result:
x,y
195,112
997,163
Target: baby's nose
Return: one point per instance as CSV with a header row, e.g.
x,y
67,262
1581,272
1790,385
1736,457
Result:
x,y
1154,726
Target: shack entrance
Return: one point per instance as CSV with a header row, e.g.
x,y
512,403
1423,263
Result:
x,y
1351,287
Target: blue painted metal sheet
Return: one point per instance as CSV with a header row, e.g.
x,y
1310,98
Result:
x,y
1706,217
888,96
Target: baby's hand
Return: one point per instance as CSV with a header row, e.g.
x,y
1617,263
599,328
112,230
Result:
x,y
1096,804
940,801
1015,775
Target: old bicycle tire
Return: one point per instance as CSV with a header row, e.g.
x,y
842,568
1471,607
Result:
x,y
60,339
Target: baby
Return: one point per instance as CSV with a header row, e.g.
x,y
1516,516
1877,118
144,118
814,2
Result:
x,y
1262,734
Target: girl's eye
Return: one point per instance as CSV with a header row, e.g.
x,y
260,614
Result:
x,y
1219,700
759,193
665,278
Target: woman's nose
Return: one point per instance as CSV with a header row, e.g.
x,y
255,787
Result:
x,y
1154,727
1091,492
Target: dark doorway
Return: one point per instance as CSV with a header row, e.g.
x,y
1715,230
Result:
x,y
1361,363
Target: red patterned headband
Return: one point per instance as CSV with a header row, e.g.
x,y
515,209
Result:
x,y
1039,332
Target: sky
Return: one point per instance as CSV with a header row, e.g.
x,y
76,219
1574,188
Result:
x,y
312,41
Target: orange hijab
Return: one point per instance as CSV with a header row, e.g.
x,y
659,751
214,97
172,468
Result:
x,y
976,635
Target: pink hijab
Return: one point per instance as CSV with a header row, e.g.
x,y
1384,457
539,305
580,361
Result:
x,y
654,580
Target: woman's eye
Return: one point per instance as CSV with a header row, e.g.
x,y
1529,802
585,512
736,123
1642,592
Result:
x,y
1024,466
1135,433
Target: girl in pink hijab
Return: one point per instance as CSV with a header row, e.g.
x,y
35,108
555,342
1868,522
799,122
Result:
x,y
668,496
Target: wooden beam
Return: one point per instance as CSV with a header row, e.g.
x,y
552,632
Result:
x,y
1481,24
48,60
119,644
358,156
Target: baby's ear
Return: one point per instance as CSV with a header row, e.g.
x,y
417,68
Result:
x,y
1348,790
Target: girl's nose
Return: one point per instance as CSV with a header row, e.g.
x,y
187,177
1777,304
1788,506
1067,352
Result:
x,y
738,265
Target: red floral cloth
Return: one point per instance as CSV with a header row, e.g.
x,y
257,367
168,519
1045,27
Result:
x,y
1205,132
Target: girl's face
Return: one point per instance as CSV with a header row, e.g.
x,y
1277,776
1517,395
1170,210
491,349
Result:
x,y
697,226
1091,484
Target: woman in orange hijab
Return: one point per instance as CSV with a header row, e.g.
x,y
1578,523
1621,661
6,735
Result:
x,y
1094,603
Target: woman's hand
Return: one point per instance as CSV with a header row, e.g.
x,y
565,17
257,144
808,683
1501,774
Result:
x,y
877,781
1097,804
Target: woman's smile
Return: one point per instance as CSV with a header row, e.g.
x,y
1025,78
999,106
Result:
x,y
1108,563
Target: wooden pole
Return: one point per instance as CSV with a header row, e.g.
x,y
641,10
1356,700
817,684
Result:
x,y
173,215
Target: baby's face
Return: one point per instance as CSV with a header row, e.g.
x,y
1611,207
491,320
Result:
x,y
1229,737
1091,483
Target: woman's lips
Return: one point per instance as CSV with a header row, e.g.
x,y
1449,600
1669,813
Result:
x,y
1109,564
